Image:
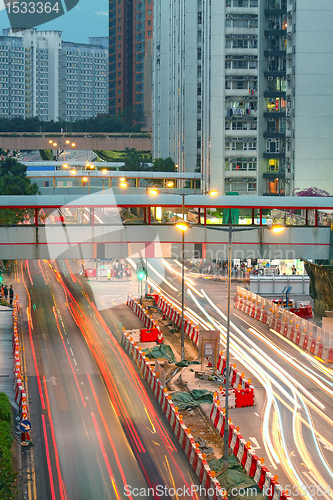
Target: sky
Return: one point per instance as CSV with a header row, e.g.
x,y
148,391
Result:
x,y
88,18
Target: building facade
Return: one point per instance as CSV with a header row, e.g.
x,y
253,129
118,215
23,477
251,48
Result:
x,y
234,94
43,76
130,28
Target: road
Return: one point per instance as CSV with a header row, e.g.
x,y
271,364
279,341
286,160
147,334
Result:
x,y
296,423
101,429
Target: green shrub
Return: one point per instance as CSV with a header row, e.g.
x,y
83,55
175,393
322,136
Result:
x,y
6,437
5,409
7,475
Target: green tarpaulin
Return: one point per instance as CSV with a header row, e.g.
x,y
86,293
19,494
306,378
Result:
x,y
162,351
185,362
191,399
235,481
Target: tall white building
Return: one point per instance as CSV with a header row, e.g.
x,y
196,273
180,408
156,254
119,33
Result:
x,y
41,75
309,93
241,94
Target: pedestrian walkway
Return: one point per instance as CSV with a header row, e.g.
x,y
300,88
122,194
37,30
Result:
x,y
6,353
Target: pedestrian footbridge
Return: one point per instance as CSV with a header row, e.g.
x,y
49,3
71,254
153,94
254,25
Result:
x,y
120,226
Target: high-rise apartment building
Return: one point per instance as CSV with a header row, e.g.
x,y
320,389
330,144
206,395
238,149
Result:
x,y
234,94
41,75
130,28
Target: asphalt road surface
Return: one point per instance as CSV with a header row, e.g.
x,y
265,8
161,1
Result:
x,y
103,434
293,424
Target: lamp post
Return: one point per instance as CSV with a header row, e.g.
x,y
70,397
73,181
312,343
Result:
x,y
275,228
182,225
56,145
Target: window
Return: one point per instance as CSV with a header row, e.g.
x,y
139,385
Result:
x,y
119,28
199,89
199,17
239,146
239,44
119,64
119,47
149,33
199,37
199,54
252,186
119,91
240,23
119,19
239,165
149,12
149,23
199,71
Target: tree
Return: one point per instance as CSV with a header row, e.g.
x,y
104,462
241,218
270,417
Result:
x,y
161,165
14,181
313,191
133,161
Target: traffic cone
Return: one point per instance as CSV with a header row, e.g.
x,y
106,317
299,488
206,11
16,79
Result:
x,y
159,337
25,437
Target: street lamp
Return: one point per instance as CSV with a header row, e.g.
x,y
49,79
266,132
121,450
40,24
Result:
x,y
275,228
182,225
56,145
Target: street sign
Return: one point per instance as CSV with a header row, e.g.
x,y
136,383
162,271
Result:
x,y
25,426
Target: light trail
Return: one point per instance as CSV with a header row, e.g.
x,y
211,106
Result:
x,y
268,363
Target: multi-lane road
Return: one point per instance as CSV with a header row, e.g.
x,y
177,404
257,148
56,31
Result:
x,y
100,427
295,426
103,435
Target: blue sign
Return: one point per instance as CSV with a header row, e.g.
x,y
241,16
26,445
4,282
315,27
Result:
x,y
25,426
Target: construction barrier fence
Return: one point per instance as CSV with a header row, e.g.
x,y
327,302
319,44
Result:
x,y
298,330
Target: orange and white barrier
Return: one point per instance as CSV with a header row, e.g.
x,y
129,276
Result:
x,y
285,322
19,390
250,462
144,317
182,434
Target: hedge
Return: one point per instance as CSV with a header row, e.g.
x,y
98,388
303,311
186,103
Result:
x,y
7,475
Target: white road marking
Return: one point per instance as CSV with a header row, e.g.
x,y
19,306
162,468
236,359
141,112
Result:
x,y
72,353
256,444
75,361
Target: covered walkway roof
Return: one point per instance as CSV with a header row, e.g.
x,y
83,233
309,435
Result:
x,y
167,200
